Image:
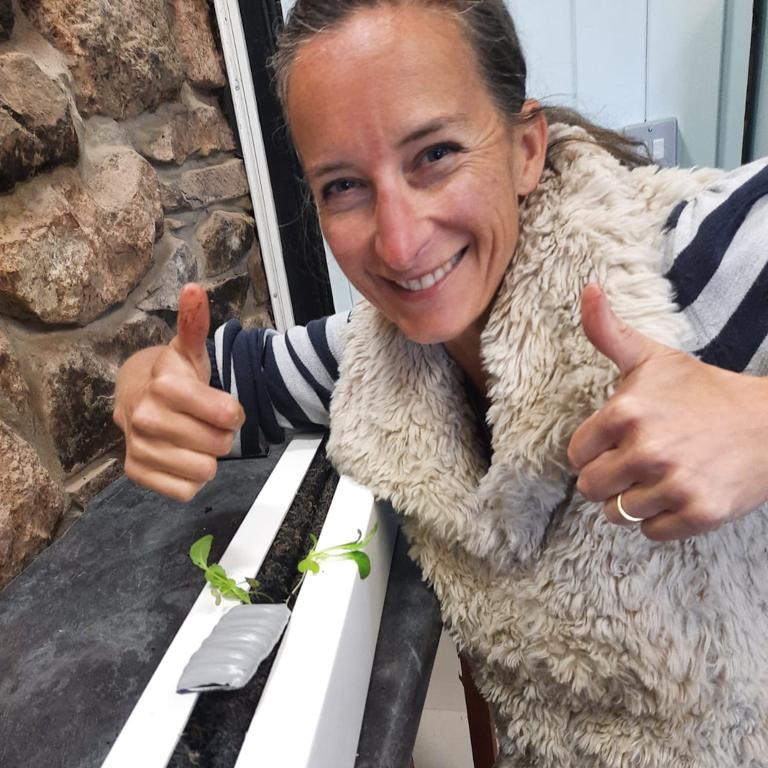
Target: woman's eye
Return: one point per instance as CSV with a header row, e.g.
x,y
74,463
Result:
x,y
338,187
438,152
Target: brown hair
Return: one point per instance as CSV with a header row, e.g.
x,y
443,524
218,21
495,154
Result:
x,y
491,33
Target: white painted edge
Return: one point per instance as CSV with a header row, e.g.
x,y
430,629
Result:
x,y
737,36
760,115
311,711
150,734
345,295
255,158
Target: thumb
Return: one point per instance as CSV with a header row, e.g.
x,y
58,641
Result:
x,y
192,325
611,336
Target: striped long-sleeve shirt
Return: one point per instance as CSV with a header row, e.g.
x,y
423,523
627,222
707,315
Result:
x,y
716,257
715,254
283,380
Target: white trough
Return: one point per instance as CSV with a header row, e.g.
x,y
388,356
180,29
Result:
x,y
311,710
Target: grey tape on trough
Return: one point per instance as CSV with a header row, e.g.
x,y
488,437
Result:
x,y
231,654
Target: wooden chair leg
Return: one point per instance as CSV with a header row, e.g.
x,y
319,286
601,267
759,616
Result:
x,y
481,732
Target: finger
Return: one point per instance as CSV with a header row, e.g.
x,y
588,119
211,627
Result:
x,y
192,326
183,395
183,431
611,336
668,526
684,518
593,437
640,501
605,476
612,514
158,456
172,486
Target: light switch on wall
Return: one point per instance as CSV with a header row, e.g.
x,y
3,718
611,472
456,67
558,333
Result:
x,y
660,136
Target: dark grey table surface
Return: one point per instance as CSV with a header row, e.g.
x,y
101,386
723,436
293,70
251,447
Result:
x,y
84,627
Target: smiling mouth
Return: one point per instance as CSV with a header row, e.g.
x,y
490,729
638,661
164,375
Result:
x,y
427,281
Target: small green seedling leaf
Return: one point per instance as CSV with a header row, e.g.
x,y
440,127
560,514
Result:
x,y
200,550
221,585
351,550
216,576
237,593
362,561
216,570
309,564
359,542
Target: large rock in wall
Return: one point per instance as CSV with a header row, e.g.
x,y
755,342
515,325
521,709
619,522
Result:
x,y
199,187
224,238
71,247
227,298
136,332
177,267
194,40
36,128
77,403
178,130
122,53
221,254
74,382
30,504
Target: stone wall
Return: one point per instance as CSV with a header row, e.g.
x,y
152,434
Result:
x,y
119,182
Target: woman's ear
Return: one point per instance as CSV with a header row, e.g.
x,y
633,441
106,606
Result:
x,y
531,136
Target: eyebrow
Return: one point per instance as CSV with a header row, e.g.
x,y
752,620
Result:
x,y
433,126
318,171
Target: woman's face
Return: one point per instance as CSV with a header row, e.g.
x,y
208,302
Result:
x,y
415,173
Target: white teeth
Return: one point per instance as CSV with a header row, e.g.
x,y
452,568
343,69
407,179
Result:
x,y
412,285
427,281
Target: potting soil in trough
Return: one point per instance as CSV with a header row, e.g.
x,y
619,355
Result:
x,y
217,726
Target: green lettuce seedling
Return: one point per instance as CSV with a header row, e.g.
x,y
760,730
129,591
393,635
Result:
x,y
221,585
352,550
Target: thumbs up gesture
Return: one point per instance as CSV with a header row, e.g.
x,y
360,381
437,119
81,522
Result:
x,y
175,424
681,446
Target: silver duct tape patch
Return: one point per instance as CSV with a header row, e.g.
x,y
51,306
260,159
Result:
x,y
231,654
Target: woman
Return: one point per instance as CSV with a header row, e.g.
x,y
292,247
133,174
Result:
x,y
472,227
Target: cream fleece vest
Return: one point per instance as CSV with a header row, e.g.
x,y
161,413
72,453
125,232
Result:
x,y
594,646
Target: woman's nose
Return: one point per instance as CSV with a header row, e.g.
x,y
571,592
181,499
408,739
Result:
x,y
402,228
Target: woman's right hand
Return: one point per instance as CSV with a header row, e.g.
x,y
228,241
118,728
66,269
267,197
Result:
x,y
175,423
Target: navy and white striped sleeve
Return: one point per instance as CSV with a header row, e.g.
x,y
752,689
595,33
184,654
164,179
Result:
x,y
282,380
716,257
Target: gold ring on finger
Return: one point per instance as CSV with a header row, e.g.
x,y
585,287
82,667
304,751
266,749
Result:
x,y
623,512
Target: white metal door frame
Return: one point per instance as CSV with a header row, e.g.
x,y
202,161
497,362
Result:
x,y
255,158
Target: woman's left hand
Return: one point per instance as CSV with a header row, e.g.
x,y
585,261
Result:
x,y
683,443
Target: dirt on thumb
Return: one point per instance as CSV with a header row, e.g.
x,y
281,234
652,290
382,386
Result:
x,y
193,323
